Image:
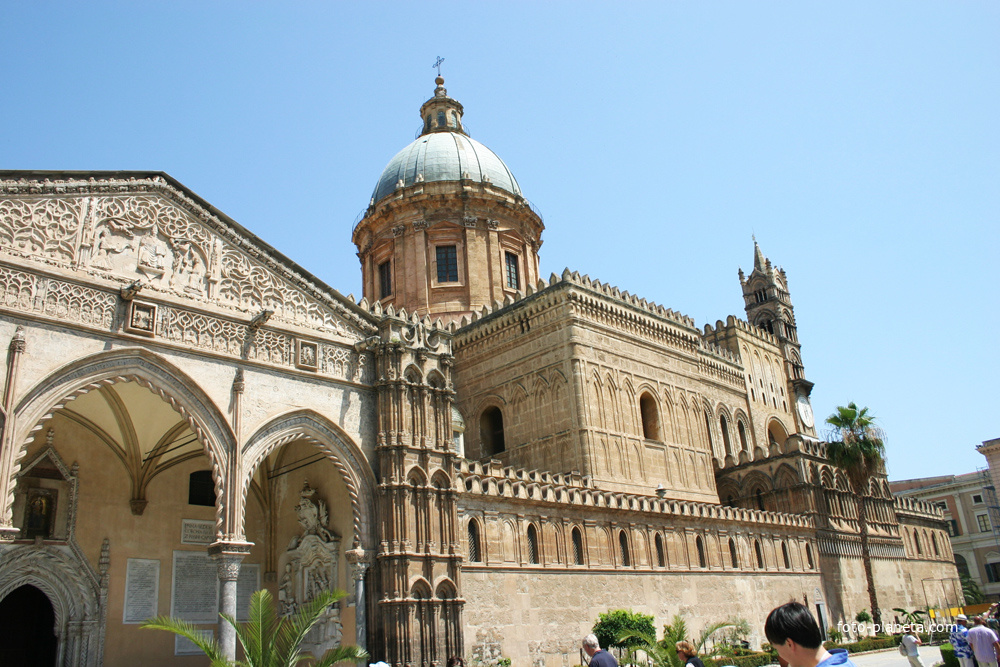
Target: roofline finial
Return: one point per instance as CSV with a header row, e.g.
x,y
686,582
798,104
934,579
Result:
x,y
437,64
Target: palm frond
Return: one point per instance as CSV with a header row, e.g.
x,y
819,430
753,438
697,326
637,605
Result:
x,y
293,631
257,634
341,654
209,647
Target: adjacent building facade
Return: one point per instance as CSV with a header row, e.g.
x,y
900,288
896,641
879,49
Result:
x,y
483,457
969,505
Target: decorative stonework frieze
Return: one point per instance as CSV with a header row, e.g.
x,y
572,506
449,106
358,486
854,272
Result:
x,y
62,300
145,229
306,355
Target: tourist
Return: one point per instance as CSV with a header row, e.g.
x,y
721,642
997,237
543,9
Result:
x,y
796,637
598,656
688,655
456,661
959,639
984,642
909,645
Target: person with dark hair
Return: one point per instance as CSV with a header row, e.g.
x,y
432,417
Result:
x,y
688,654
795,635
456,661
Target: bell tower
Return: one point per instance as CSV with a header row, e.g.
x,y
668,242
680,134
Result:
x,y
769,307
447,230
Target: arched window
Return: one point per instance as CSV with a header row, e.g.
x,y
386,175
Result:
x,y
733,556
962,566
916,541
759,495
623,544
708,430
577,547
701,551
759,554
201,488
475,555
491,431
809,558
661,557
784,556
724,425
743,436
532,545
650,417
441,119
934,541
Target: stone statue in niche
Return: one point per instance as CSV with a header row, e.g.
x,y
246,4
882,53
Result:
x,y
309,566
188,269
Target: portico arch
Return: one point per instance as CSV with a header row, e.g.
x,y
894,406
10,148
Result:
x,y
73,589
148,370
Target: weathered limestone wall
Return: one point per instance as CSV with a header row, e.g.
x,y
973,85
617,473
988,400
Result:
x,y
538,618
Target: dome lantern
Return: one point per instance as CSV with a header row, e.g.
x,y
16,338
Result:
x,y
441,113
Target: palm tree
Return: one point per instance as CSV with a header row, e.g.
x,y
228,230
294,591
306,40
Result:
x,y
857,446
267,639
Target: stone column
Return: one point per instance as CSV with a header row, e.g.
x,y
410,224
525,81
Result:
x,y
8,448
227,557
360,562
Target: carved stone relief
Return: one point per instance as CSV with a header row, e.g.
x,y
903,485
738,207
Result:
x,y
310,566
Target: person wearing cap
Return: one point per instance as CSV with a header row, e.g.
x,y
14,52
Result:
x,y
959,639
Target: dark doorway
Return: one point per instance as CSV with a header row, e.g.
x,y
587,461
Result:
x,y
27,624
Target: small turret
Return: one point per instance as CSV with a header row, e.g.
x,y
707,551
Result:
x,y
442,113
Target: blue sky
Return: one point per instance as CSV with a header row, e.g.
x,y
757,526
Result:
x,y
859,141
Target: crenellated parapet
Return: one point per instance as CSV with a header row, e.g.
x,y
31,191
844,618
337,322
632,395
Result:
x,y
916,508
494,480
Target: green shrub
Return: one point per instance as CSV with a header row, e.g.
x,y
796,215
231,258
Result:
x,y
948,655
611,625
752,659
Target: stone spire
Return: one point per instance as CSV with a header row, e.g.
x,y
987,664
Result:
x,y
759,261
441,113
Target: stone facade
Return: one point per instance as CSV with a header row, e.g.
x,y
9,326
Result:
x,y
187,415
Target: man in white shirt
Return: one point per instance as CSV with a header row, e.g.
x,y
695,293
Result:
x,y
911,642
984,642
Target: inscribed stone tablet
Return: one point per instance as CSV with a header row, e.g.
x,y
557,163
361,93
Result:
x,y
184,646
142,588
195,592
194,531
248,582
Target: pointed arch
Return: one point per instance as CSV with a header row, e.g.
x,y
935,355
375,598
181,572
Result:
x,y
148,370
355,471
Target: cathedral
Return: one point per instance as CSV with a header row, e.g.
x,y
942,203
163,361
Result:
x,y
484,458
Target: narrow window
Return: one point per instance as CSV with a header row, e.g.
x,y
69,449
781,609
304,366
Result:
x,y
577,547
759,554
934,541
532,545
661,558
385,279
513,277
475,555
708,429
784,556
201,488
447,263
760,500
701,551
623,544
809,558
724,425
650,417
743,434
491,431
916,541
732,553
441,119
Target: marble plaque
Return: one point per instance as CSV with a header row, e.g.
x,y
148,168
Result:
x,y
142,588
194,595
246,585
184,646
194,531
